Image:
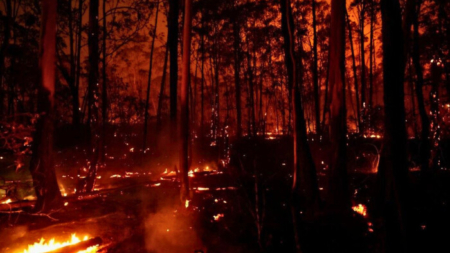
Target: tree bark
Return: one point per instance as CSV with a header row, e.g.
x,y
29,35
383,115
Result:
x,y
305,177
339,193
355,76
161,90
42,164
184,113
237,70
149,81
173,47
393,171
3,50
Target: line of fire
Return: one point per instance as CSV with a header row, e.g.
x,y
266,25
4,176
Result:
x,y
200,126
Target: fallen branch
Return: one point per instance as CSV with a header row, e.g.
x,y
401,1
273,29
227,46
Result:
x,y
79,246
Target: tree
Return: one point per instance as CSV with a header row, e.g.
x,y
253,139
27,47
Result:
x,y
149,81
393,171
184,113
173,47
305,177
339,193
42,165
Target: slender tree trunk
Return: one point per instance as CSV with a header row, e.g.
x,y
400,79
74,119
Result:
x,y
315,70
173,47
393,171
339,192
305,177
355,77
184,114
363,66
105,78
237,70
76,90
161,90
94,143
371,56
42,164
425,147
202,113
3,50
149,81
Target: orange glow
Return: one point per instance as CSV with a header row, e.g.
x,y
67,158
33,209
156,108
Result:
x,y
7,201
42,246
360,209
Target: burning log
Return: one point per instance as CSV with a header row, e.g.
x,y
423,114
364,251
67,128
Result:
x,y
83,245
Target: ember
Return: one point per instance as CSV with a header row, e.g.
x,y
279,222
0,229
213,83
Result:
x,y
360,209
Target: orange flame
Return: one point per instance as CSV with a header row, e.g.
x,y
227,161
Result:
x,y
360,209
42,246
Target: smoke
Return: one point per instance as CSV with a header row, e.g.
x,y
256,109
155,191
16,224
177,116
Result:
x,y
171,230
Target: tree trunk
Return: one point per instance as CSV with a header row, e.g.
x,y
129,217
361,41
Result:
x,y
3,50
339,193
355,76
237,70
305,177
184,114
363,66
393,171
94,143
173,47
161,90
104,84
149,81
42,165
315,70
424,152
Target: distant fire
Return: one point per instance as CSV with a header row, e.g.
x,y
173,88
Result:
x,y
360,209
42,246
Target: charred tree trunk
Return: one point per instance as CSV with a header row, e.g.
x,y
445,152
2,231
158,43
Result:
x,y
424,152
173,47
355,76
184,114
237,70
393,171
87,185
3,50
161,90
149,81
339,193
371,61
105,78
315,70
305,177
363,66
42,165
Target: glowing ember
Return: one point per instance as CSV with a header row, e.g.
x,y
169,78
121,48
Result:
x,y
115,176
361,209
218,216
186,204
191,173
7,201
42,246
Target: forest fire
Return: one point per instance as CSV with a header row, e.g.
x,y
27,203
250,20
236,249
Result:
x,y
173,126
44,246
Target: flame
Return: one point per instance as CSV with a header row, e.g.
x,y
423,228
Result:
x,y
218,216
186,204
361,209
191,173
7,201
42,246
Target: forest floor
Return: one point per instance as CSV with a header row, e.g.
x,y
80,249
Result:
x,y
243,207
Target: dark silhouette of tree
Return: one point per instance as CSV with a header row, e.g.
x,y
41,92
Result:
x,y
393,171
42,164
